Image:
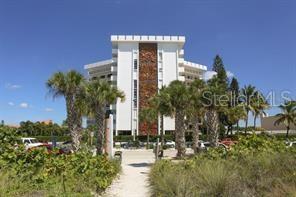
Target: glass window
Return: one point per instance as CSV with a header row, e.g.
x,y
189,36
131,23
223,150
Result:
x,y
160,56
26,141
135,92
135,64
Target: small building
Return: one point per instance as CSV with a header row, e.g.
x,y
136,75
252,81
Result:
x,y
140,66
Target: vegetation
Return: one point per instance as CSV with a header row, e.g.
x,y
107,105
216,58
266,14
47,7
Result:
x,y
97,94
288,115
28,128
215,105
196,112
84,98
179,102
38,173
69,86
148,116
256,166
161,103
248,92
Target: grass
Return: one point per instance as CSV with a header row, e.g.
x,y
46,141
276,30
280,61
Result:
x,y
256,166
263,175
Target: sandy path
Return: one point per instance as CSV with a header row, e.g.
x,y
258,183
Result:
x,y
133,181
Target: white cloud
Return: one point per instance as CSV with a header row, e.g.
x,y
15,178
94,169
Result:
x,y
209,75
229,74
48,109
12,86
24,105
10,103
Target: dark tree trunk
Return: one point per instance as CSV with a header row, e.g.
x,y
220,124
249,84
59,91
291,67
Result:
x,y
255,118
100,122
287,134
195,134
71,121
161,131
180,134
246,125
212,126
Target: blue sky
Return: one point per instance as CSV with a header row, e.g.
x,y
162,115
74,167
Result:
x,y
256,40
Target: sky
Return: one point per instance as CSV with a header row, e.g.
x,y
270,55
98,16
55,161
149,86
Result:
x,y
256,40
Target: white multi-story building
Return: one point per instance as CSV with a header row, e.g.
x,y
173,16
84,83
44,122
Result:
x,y
140,65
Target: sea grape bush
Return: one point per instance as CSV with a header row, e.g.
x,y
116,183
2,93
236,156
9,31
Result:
x,y
27,172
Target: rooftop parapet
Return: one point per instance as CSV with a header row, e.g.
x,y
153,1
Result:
x,y
147,38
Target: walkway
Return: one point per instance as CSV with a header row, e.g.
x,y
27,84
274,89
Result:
x,y
133,181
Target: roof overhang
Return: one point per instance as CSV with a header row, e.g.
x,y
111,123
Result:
x,y
148,39
99,64
195,65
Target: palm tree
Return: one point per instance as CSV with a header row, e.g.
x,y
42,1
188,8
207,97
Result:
x,y
68,85
97,95
234,114
161,102
288,115
179,101
196,112
214,103
148,116
259,105
247,93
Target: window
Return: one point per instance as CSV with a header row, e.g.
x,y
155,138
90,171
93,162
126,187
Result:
x,y
135,64
160,56
27,142
135,93
160,69
135,83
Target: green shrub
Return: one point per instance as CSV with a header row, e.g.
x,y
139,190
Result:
x,y
39,173
256,166
260,175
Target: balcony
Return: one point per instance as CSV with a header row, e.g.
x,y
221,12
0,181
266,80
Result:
x,y
113,69
181,53
181,78
114,52
181,60
113,78
181,70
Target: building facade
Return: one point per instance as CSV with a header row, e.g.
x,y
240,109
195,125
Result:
x,y
140,66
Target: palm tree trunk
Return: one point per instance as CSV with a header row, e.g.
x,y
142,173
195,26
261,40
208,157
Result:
x,y
287,134
162,131
255,118
180,134
246,125
195,135
212,126
70,107
78,132
99,118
